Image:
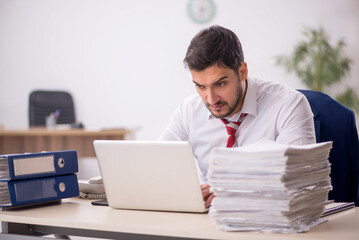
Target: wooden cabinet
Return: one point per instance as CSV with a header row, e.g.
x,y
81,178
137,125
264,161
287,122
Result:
x,y
41,139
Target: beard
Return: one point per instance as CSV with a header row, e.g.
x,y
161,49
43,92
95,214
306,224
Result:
x,y
232,106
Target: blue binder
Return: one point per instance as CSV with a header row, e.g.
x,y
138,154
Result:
x,y
34,165
37,190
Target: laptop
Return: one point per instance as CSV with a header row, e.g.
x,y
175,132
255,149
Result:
x,y
150,175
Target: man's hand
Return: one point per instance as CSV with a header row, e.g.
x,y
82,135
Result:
x,y
207,195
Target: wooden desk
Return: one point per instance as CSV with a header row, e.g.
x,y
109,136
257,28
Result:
x,y
40,139
79,218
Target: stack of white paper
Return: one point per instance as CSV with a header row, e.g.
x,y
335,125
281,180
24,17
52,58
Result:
x,y
269,187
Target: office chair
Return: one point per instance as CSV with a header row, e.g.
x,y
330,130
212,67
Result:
x,y
334,122
43,103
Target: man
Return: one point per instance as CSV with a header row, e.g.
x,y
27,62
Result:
x,y
230,108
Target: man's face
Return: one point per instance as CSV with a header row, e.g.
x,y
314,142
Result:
x,y
221,89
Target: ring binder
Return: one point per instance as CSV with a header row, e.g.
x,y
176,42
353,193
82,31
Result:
x,y
35,190
33,165
33,178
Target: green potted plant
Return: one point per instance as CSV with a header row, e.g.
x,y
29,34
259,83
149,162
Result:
x,y
318,64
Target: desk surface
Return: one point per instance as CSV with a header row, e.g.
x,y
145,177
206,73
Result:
x,y
80,214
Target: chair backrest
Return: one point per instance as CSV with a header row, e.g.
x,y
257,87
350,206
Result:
x,y
334,122
43,103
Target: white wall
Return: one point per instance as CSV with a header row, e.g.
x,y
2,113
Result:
x,y
122,60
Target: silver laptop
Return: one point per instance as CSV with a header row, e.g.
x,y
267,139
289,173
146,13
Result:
x,y
150,175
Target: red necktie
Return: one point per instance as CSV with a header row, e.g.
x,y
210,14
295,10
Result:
x,y
232,129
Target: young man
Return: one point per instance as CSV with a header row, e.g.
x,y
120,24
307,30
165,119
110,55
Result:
x,y
230,108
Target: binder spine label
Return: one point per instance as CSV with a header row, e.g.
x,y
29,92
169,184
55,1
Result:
x,y
34,165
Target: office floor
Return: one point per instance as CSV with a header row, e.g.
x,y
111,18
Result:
x,y
75,238
70,237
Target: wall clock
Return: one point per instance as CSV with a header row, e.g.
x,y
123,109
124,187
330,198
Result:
x,y
201,11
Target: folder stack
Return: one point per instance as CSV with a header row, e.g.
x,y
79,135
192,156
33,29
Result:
x,y
269,187
34,178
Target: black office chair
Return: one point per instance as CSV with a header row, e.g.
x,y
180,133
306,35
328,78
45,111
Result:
x,y
43,103
334,122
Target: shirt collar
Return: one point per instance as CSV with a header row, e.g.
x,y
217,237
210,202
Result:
x,y
249,104
250,101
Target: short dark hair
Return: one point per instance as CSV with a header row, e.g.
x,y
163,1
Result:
x,y
212,45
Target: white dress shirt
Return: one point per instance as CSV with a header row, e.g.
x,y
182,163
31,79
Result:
x,y
275,112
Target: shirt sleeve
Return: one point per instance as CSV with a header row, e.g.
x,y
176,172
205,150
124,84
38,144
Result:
x,y
176,130
296,124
